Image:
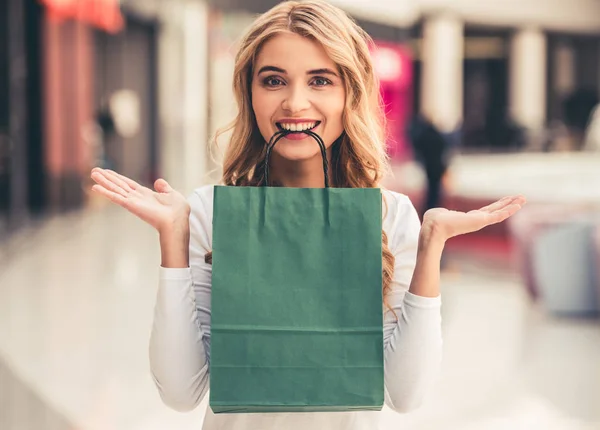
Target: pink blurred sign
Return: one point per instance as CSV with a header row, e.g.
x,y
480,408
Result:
x,y
103,14
393,66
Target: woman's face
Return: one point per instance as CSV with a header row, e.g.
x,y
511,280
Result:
x,y
296,86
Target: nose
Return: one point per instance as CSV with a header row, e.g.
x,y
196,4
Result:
x,y
296,100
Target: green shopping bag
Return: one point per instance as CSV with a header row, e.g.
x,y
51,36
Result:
x,y
297,320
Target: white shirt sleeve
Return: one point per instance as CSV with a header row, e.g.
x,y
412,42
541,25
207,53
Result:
x,y
413,340
180,337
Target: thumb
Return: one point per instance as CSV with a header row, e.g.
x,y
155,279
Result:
x,y
162,186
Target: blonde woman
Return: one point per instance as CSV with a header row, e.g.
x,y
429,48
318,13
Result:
x,y
302,65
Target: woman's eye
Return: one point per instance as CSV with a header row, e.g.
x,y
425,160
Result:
x,y
272,81
321,82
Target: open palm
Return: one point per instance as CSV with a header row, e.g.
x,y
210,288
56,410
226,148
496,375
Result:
x,y
160,208
448,223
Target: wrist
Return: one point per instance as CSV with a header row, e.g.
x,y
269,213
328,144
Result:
x,y
175,229
431,237
174,249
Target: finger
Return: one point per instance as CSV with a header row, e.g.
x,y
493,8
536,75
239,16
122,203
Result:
x,y
500,204
506,212
114,197
520,200
124,179
497,204
162,186
102,178
512,209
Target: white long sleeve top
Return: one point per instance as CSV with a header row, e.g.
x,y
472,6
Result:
x,y
180,336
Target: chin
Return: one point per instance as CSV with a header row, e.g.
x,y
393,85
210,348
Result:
x,y
297,151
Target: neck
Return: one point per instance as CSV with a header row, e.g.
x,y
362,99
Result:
x,y
299,174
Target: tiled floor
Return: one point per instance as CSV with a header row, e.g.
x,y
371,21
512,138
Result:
x,y
76,303
22,408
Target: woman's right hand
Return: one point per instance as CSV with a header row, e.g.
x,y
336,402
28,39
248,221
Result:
x,y
163,209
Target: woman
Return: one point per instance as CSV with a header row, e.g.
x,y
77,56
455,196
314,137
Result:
x,y
302,65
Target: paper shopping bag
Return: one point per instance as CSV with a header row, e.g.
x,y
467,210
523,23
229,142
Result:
x,y
296,300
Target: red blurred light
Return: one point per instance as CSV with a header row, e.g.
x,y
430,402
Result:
x,y
104,14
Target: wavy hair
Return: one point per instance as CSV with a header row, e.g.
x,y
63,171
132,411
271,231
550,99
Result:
x,y
359,158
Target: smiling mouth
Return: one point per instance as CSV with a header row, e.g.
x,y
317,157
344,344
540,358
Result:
x,y
301,131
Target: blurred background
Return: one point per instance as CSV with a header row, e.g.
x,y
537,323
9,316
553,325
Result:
x,y
483,99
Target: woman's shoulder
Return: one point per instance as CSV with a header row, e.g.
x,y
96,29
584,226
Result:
x,y
204,193
396,204
201,201
399,216
201,215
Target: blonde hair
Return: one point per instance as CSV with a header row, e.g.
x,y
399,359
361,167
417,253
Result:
x,y
359,159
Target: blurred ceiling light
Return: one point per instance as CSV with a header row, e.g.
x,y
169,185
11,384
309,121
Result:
x,y
125,108
103,14
388,64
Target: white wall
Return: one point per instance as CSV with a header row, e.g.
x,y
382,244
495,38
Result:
x,y
567,15
528,78
195,95
442,78
170,92
391,12
563,15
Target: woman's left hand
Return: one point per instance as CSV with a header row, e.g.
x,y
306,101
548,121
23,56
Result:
x,y
444,224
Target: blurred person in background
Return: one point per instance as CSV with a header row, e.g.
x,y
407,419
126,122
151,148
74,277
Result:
x,y
591,141
432,149
106,136
578,108
301,65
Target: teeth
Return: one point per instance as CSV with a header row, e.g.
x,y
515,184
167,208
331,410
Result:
x,y
298,127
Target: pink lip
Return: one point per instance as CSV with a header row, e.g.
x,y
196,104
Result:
x,y
296,136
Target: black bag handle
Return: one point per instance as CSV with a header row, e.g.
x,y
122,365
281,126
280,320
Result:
x,y
282,133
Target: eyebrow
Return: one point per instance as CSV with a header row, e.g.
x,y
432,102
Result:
x,y
323,71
